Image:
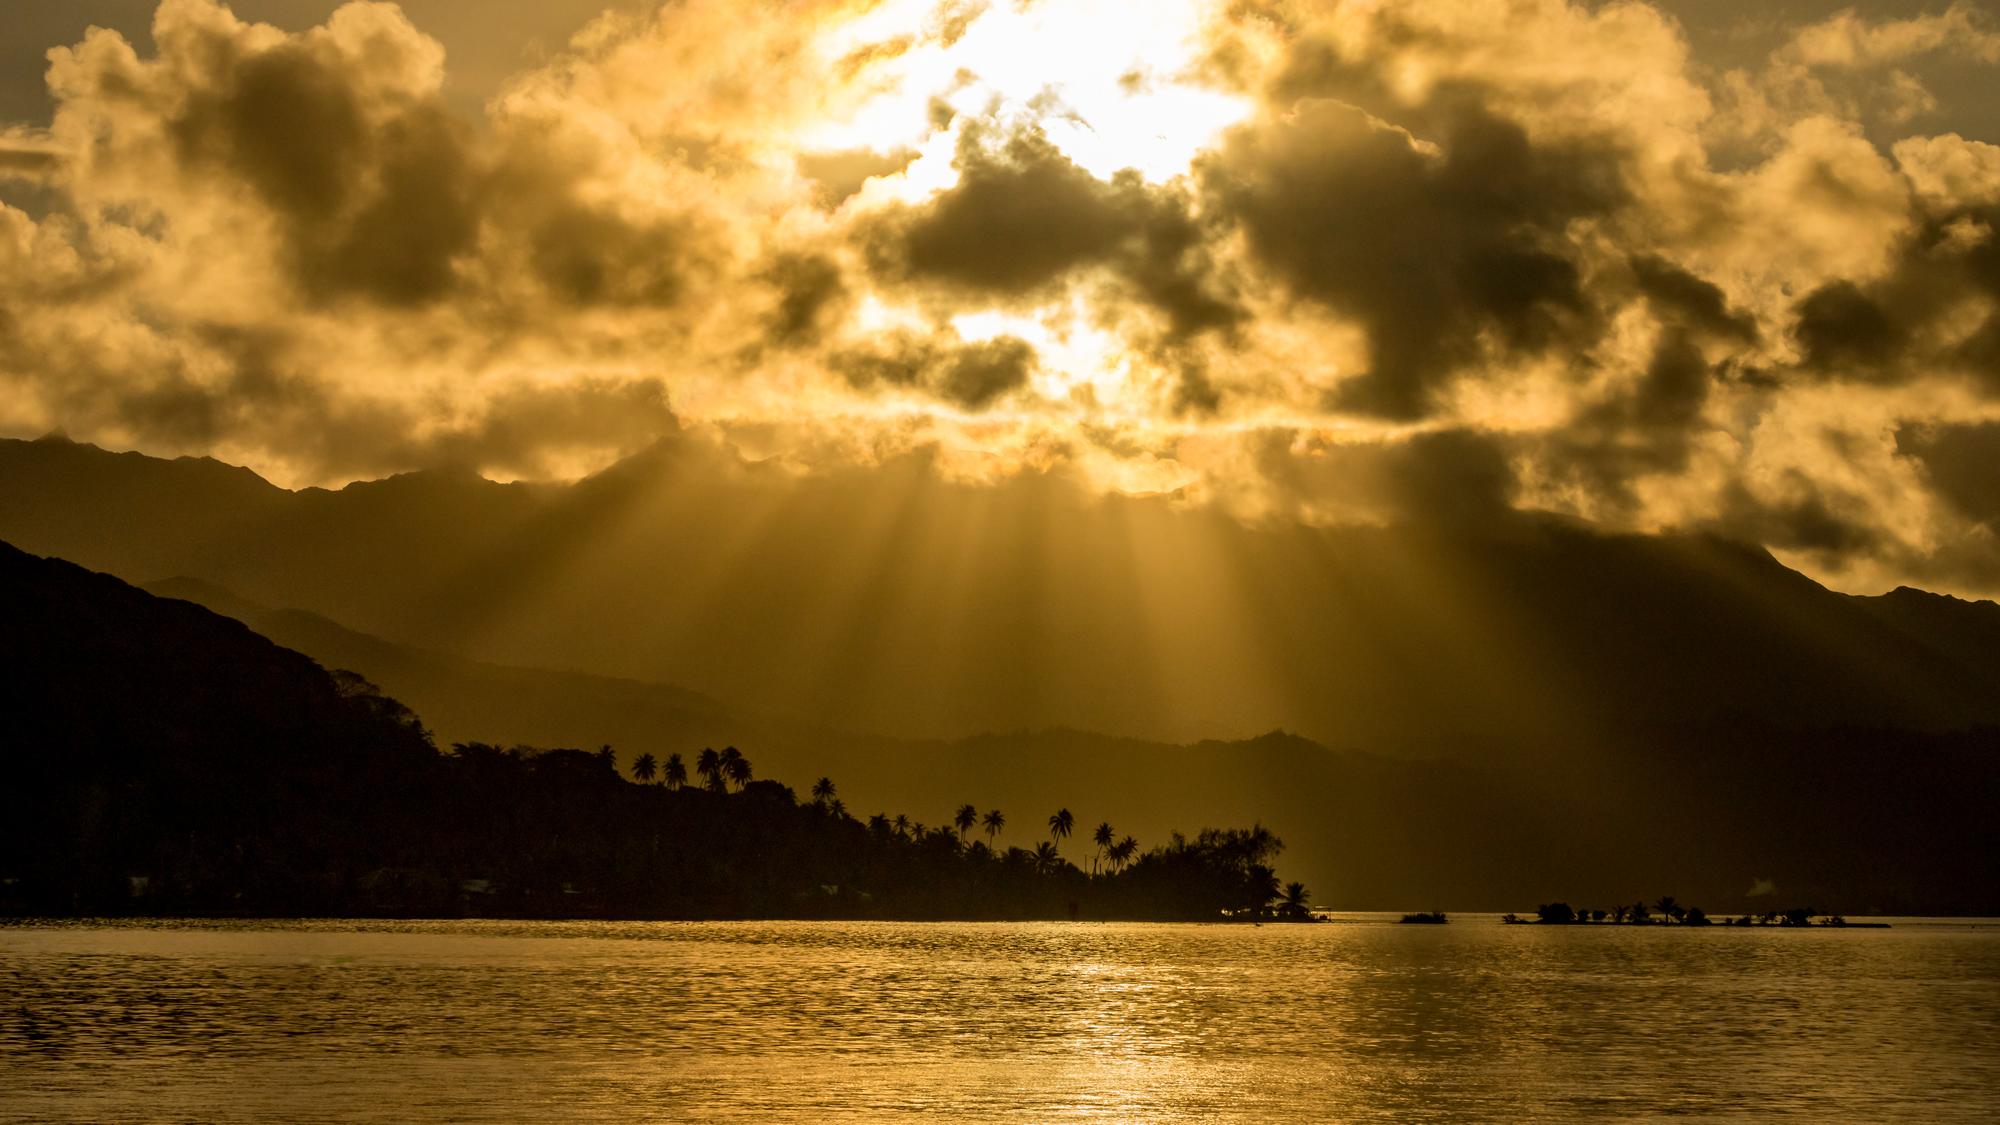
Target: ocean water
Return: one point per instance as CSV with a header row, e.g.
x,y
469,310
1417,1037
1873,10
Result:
x,y
1361,1019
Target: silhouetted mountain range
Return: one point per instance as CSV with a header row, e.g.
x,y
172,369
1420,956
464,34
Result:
x,y
1872,802
164,758
891,601
152,736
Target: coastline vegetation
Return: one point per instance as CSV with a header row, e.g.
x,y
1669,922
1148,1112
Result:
x,y
488,831
1667,911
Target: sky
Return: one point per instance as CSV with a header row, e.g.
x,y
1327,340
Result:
x,y
1686,265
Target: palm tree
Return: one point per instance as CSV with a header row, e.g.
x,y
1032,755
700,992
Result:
x,y
709,765
1666,905
1123,851
964,819
1102,837
1047,860
606,758
994,822
645,767
879,824
822,791
1295,900
901,824
837,809
1618,914
677,771
735,766
1060,822
1261,889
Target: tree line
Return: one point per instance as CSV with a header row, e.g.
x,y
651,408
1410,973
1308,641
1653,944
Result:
x,y
387,825
1666,911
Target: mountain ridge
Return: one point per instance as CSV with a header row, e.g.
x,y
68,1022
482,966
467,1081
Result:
x,y
1896,821
1042,607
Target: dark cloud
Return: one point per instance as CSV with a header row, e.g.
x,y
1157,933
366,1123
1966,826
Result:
x,y
1431,252
1648,429
1020,218
810,291
522,427
1888,329
1981,353
1454,477
588,255
1962,463
1808,520
971,375
978,373
1680,297
372,203
1023,217
1841,328
582,250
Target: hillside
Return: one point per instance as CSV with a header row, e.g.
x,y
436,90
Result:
x,y
163,758
154,738
1712,809
899,603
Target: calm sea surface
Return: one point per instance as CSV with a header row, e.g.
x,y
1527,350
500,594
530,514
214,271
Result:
x,y
495,1021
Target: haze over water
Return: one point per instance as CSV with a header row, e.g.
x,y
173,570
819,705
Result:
x,y
504,1021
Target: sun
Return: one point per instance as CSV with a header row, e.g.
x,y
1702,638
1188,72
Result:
x,y
1111,83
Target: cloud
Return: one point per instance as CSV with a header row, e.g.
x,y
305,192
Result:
x,y
1424,260
1848,39
1436,253
969,375
1024,224
27,154
840,175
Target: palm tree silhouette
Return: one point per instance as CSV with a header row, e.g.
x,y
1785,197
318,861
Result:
x,y
901,824
964,819
994,822
645,767
1262,888
1123,851
677,771
708,764
735,766
822,791
1060,822
1667,907
1102,837
1047,860
837,809
1295,900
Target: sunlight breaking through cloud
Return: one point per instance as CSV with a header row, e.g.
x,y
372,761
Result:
x,y
1246,254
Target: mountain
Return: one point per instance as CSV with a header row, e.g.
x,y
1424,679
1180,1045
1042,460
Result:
x,y
894,600
1870,817
164,759
152,736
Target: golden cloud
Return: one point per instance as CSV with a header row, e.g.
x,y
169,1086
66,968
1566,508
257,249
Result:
x,y
1324,262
